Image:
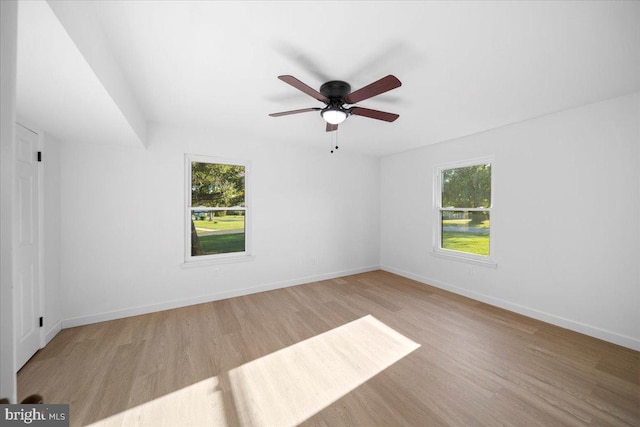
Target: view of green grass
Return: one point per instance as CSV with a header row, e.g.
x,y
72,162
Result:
x,y
466,241
229,222
222,243
473,243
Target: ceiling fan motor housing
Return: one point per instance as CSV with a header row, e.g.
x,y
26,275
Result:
x,y
335,90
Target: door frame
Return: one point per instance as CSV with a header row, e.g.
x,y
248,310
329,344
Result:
x,y
17,310
41,254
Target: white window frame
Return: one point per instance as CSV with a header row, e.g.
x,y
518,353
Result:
x,y
203,260
438,250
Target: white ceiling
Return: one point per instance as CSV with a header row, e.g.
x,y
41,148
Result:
x,y
465,67
56,90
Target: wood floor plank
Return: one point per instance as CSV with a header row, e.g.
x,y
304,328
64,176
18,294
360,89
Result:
x,y
476,364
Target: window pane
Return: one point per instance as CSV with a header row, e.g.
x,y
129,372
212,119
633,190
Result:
x,y
467,187
217,208
217,185
217,234
466,231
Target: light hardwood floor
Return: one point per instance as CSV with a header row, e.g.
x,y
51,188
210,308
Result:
x,y
475,364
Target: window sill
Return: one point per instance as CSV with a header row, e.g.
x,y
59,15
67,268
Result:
x,y
217,261
489,263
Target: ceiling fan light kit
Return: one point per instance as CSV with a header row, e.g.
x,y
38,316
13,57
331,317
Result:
x,y
336,94
333,115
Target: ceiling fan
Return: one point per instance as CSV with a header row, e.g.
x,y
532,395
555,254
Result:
x,y
337,94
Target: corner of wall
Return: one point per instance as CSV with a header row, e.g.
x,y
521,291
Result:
x,y
8,52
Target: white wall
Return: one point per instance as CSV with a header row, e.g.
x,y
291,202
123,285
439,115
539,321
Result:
x,y
8,48
122,228
565,223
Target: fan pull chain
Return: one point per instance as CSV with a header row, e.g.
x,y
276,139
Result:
x,y
332,144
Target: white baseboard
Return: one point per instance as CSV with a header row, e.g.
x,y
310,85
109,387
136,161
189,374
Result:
x,y
573,325
135,311
52,332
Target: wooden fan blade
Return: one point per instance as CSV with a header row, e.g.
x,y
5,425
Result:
x,y
304,88
331,128
374,114
286,113
383,85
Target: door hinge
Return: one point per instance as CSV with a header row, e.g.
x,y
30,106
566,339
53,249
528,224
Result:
x,y
39,156
41,322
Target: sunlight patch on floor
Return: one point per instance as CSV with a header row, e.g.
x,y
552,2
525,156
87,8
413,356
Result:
x,y
289,386
196,405
283,388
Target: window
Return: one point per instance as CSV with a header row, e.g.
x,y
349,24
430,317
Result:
x,y
217,211
463,210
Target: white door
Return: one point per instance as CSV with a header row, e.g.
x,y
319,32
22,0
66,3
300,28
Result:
x,y
27,287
